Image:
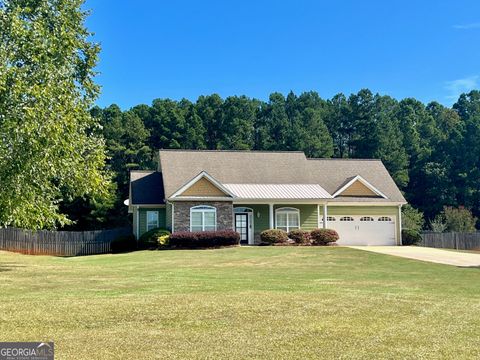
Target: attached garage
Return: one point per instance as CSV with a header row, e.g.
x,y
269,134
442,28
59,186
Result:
x,y
364,230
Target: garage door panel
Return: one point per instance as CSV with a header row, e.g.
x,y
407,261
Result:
x,y
365,230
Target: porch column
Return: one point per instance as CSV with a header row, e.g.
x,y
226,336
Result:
x,y
325,214
270,216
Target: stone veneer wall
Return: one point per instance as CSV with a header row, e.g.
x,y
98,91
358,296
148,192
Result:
x,y
181,210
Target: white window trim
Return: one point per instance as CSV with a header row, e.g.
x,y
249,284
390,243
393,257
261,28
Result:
x,y
289,211
146,220
203,209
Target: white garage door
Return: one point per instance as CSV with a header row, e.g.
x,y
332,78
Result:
x,y
364,230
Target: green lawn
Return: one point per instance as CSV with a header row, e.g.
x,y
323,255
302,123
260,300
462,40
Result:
x,y
251,302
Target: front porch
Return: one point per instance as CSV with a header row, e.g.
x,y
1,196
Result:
x,y
251,219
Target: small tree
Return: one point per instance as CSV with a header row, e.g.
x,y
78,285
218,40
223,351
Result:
x,y
412,218
459,219
438,224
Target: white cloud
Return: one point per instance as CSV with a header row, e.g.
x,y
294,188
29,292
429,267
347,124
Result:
x,y
467,26
456,87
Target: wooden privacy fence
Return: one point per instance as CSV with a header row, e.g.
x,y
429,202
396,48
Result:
x,y
59,243
451,240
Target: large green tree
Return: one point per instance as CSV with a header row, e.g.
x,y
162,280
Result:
x,y
51,149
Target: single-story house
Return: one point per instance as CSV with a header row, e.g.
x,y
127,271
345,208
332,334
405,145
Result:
x,y
251,191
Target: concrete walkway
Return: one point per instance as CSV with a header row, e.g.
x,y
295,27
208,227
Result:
x,y
441,256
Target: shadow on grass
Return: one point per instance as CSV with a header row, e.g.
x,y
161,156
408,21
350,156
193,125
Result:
x,y
9,266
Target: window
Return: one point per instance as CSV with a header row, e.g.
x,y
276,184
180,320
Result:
x,y
366,218
152,220
203,218
287,219
384,218
346,218
331,218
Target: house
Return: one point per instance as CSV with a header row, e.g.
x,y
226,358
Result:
x,y
251,191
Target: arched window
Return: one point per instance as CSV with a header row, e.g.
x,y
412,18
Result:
x,y
287,219
203,218
331,218
242,210
384,218
366,218
346,218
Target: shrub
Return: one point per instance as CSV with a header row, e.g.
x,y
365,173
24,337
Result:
x,y
300,236
412,218
460,220
410,237
163,241
324,236
204,239
438,224
150,239
123,244
274,236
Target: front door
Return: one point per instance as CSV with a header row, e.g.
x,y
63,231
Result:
x,y
241,226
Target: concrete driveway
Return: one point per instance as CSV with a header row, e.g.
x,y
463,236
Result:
x,y
441,256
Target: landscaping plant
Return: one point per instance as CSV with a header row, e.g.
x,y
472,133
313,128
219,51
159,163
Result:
x,y
273,236
153,239
324,236
302,237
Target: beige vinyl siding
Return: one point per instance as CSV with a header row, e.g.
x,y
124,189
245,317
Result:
x,y
358,189
308,214
203,187
391,211
142,217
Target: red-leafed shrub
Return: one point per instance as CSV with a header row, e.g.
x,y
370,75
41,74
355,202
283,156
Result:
x,y
203,239
300,236
323,236
273,236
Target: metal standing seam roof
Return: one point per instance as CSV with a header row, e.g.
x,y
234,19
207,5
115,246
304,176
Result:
x,y
278,191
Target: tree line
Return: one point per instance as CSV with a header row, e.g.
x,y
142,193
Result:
x,y
64,163
431,151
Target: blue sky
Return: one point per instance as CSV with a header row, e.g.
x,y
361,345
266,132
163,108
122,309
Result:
x,y
429,50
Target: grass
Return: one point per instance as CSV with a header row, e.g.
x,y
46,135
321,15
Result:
x,y
251,302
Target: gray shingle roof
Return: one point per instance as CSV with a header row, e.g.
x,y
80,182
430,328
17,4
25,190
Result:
x,y
265,167
146,188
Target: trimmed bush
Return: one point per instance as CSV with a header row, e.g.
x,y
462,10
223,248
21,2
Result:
x,y
150,239
123,244
300,236
274,236
410,237
204,239
324,236
163,241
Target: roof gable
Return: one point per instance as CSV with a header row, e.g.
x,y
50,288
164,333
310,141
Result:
x,y
359,187
202,185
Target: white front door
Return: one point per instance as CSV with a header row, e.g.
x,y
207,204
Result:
x,y
364,230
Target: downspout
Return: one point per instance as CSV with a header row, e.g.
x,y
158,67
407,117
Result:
x,y
138,221
173,217
325,214
400,224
